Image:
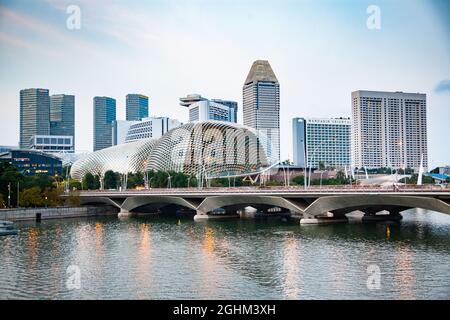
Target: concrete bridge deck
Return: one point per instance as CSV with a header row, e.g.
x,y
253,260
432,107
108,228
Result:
x,y
313,205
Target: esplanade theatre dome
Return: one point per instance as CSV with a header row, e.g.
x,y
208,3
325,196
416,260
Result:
x,y
209,149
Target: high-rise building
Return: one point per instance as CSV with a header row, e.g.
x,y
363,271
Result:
x,y
389,129
151,128
202,109
34,115
62,116
104,115
323,141
136,107
299,142
232,105
261,103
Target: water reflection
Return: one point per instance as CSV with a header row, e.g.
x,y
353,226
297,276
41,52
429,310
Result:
x,y
405,277
157,259
144,271
293,285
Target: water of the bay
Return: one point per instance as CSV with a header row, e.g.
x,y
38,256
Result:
x,y
154,258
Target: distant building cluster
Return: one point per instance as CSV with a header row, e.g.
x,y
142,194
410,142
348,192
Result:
x,y
47,123
386,129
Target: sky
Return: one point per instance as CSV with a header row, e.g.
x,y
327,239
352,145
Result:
x,y
320,51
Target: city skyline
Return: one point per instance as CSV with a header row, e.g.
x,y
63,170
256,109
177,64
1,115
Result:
x,y
291,48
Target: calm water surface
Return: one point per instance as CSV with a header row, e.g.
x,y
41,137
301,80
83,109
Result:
x,y
148,258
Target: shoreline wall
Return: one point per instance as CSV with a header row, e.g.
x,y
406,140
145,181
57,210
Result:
x,y
25,214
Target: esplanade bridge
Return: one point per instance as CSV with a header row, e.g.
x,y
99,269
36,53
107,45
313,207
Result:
x,y
311,205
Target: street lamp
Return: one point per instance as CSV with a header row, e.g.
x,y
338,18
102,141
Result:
x,y
9,195
150,182
169,181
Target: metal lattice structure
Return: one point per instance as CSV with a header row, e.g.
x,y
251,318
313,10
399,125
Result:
x,y
124,158
210,149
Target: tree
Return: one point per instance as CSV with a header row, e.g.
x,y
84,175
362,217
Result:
x,y
110,180
74,184
73,199
52,197
299,180
135,180
2,201
89,182
32,197
321,165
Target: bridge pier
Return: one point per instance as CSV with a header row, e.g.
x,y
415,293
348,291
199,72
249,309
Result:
x,y
125,214
327,218
201,216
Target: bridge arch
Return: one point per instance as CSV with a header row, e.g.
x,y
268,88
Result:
x,y
326,204
215,202
132,203
97,200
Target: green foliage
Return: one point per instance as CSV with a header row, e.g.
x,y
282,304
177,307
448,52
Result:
x,y
111,179
10,176
2,202
74,184
414,177
32,197
299,180
89,182
135,180
73,199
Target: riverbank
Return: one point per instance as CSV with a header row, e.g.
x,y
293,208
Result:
x,y
26,214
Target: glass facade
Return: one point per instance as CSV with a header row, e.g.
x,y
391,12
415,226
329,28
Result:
x,y
261,103
33,162
34,115
136,107
104,115
62,115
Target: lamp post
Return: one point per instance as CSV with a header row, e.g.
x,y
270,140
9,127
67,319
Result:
x,y
150,182
169,181
9,195
304,163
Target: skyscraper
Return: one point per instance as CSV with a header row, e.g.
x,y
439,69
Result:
x,y
62,115
136,107
389,129
261,103
323,141
104,115
34,115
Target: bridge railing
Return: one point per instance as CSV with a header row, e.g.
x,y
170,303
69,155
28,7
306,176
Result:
x,y
274,189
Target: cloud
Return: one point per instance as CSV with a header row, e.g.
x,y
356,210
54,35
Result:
x,y
443,86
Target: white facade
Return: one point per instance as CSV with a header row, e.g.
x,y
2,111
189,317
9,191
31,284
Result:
x,y
149,128
208,110
322,140
120,130
389,129
51,143
153,128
